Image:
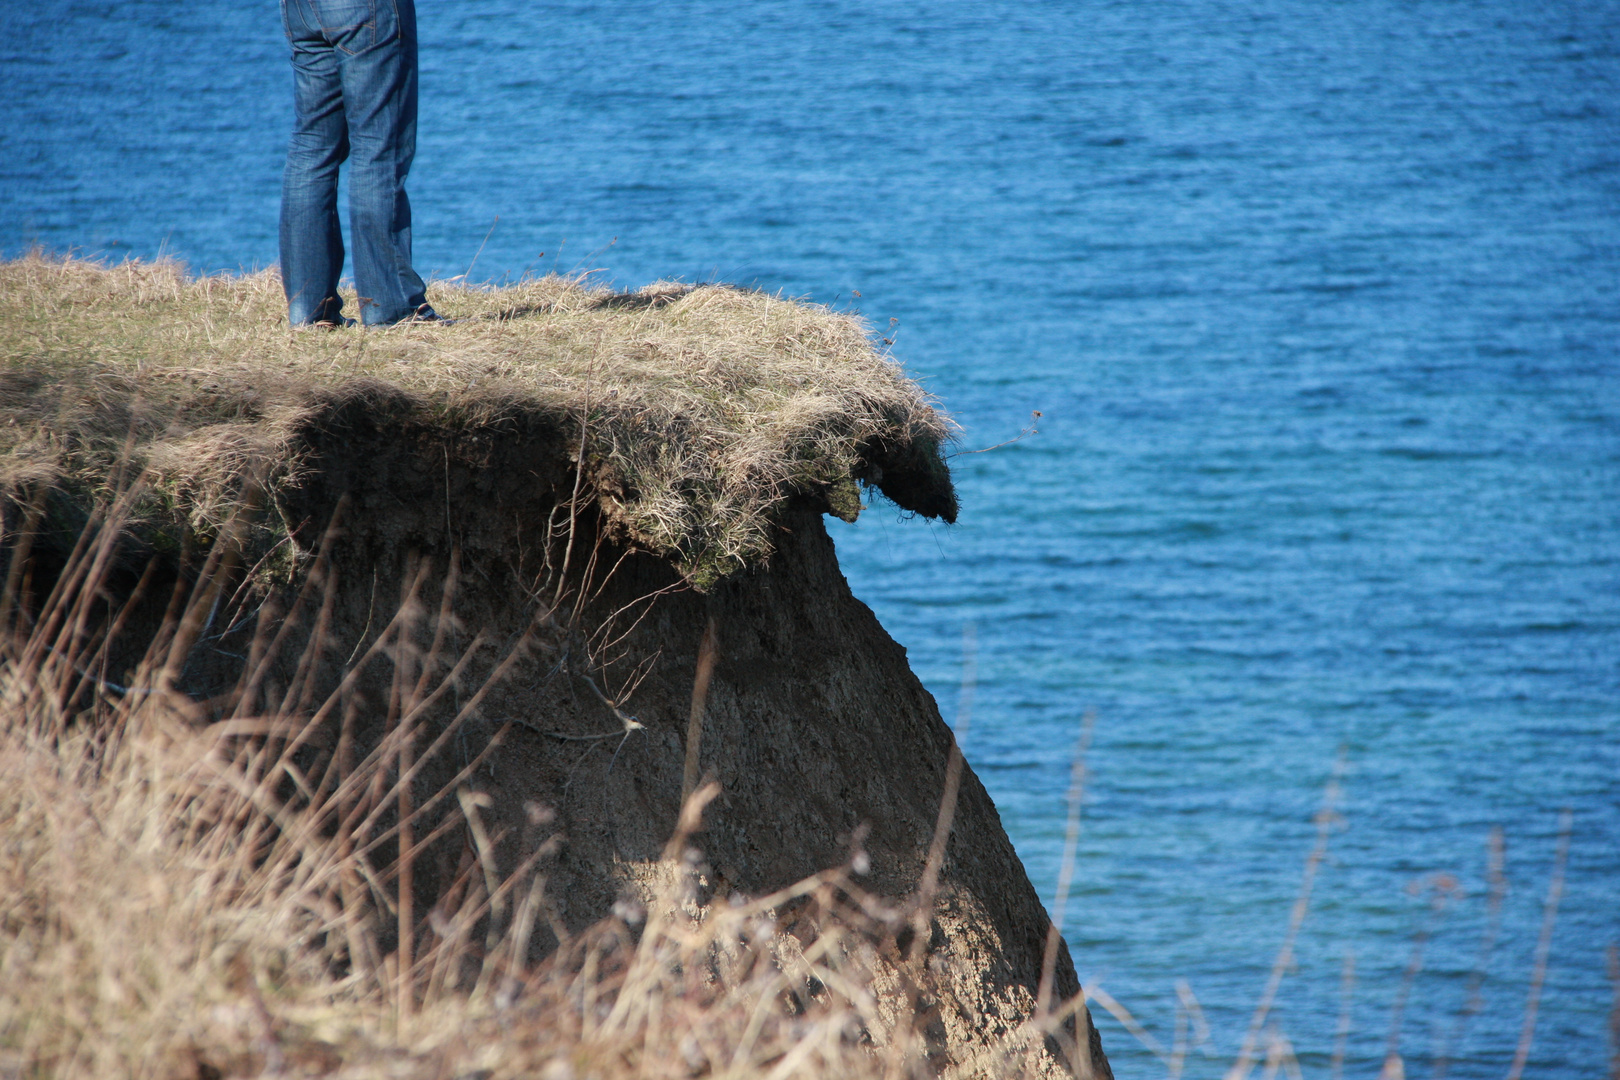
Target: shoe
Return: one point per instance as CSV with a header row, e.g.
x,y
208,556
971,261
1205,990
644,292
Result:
x,y
426,314
338,323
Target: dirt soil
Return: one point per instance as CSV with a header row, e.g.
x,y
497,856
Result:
x,y
819,735
814,726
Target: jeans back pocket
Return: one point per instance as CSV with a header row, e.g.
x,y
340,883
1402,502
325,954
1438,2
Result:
x,y
341,19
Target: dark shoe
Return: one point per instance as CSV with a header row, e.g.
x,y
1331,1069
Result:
x,y
426,314
337,322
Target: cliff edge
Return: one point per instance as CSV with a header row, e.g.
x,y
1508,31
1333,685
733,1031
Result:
x,y
596,517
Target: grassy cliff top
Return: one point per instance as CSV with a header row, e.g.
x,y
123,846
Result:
x,y
701,409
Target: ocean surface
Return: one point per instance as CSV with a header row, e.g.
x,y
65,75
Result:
x,y
1320,304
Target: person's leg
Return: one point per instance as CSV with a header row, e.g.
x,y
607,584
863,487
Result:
x,y
311,240
379,93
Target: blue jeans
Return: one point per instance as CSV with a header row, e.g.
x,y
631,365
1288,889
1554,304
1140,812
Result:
x,y
354,98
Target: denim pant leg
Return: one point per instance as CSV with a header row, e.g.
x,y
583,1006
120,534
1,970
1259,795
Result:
x,y
379,94
360,54
311,240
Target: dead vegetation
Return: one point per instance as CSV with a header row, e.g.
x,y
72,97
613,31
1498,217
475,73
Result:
x,y
695,410
210,889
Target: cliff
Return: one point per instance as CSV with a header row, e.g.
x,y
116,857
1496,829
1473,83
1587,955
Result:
x,y
590,523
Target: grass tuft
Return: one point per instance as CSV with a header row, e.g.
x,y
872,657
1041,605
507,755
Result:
x,y
695,411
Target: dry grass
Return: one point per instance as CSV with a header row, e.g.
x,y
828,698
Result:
x,y
135,945
188,896
700,409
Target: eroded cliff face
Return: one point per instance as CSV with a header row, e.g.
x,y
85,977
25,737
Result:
x,y
485,564
485,556
814,726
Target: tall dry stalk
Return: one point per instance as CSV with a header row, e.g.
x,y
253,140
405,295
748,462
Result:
x,y
1341,1033
1614,1012
1326,818
1442,888
1538,974
1474,995
226,887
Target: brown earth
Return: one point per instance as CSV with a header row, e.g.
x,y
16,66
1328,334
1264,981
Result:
x,y
815,727
819,735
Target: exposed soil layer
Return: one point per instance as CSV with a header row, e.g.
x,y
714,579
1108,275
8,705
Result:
x,y
819,735
814,726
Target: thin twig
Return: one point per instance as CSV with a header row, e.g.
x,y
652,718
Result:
x,y
1614,1012
1555,892
694,721
1071,841
468,273
1442,887
1326,819
1474,998
1028,430
929,884
1347,991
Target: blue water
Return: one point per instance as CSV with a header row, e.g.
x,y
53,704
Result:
x,y
1320,302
